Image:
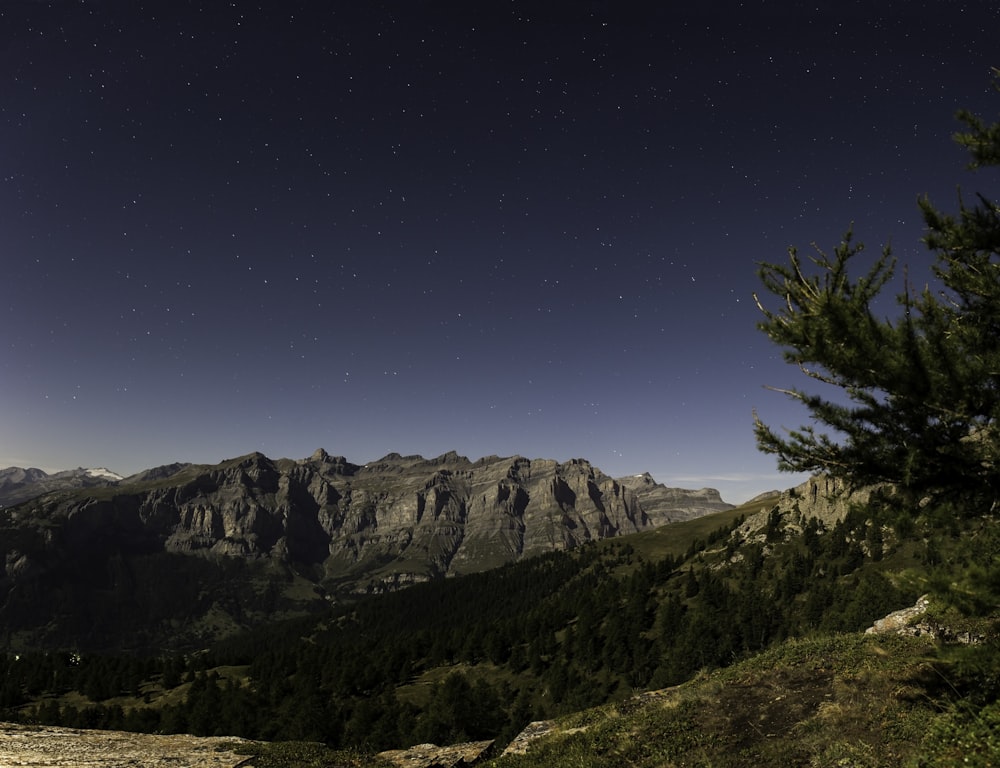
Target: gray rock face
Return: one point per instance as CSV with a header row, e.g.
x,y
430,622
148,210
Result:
x,y
821,496
903,621
410,517
671,505
912,622
398,520
49,747
433,756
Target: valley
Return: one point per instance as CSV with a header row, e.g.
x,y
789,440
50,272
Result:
x,y
748,620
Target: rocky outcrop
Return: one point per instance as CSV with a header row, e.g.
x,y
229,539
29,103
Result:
x,y
822,497
531,733
51,747
825,498
48,747
912,622
902,622
433,756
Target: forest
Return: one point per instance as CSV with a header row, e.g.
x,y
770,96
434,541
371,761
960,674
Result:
x,y
478,657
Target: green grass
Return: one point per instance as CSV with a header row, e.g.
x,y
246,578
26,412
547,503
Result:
x,y
966,737
302,754
829,701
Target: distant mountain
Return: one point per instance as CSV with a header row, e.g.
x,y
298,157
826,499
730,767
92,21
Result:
x,y
18,485
671,505
252,537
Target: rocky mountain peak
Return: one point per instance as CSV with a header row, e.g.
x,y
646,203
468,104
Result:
x,y
320,456
639,481
451,458
157,473
14,475
670,505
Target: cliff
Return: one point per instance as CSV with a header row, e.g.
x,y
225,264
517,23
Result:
x,y
672,505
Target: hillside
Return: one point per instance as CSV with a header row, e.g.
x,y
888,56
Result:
x,y
479,657
843,700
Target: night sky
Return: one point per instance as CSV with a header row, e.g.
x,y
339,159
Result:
x,y
491,227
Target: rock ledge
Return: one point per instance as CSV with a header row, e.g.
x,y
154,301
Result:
x,y
433,756
50,747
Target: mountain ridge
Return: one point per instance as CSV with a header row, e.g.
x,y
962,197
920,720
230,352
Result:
x,y
19,484
305,531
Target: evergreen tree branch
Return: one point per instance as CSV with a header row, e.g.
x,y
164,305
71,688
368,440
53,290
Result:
x,y
920,403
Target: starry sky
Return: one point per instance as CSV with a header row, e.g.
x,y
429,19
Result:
x,y
496,227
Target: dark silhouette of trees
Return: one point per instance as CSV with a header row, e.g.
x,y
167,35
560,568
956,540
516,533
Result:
x,y
919,403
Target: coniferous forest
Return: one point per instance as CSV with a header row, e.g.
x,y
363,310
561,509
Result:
x,y
480,656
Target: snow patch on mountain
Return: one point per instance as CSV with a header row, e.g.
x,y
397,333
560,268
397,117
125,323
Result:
x,y
103,472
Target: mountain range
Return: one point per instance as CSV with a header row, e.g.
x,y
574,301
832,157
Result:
x,y
18,484
229,545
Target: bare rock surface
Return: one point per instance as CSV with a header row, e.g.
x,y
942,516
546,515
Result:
x,y
672,505
531,733
822,497
912,621
49,747
903,621
433,756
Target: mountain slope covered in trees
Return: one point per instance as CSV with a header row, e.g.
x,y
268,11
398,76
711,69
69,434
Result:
x,y
480,656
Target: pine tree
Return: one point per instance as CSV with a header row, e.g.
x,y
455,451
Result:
x,y
919,395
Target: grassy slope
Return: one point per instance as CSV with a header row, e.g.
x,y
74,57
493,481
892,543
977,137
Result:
x,y
828,700
844,700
